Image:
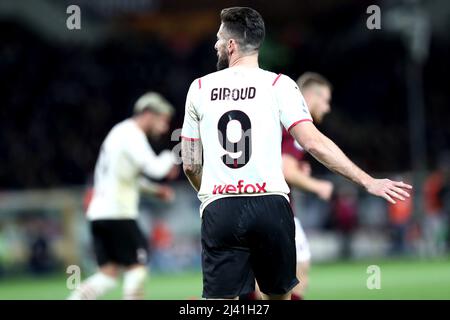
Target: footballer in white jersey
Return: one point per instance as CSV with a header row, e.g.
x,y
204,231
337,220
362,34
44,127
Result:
x,y
231,150
237,112
124,158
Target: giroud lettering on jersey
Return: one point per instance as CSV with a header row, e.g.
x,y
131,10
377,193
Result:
x,y
240,188
233,94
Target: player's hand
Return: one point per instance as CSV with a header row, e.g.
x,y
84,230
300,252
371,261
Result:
x,y
305,168
325,190
173,173
389,190
165,193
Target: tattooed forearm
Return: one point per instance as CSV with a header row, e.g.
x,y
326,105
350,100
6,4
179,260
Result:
x,y
191,153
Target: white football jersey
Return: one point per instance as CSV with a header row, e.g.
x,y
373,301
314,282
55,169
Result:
x,y
124,156
237,113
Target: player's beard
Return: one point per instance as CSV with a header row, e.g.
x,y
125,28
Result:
x,y
222,62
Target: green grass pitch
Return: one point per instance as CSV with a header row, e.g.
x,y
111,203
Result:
x,y
400,279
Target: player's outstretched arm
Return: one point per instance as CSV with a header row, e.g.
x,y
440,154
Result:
x,y
329,154
191,154
299,179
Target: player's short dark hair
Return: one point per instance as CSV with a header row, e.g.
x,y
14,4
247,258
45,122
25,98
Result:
x,y
245,25
312,78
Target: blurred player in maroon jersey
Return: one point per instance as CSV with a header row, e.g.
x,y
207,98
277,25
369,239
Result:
x,y
317,92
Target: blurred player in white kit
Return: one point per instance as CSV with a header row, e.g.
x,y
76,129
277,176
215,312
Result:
x,y
125,160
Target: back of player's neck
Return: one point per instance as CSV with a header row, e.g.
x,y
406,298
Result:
x,y
249,61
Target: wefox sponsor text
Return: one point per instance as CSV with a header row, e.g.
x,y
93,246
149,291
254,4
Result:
x,y
241,187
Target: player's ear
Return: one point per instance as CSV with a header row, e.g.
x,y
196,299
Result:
x,y
231,46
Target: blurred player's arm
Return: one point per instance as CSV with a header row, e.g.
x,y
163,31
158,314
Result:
x,y
158,166
140,154
330,155
298,178
191,154
157,190
148,187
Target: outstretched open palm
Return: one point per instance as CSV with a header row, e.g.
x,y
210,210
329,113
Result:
x,y
389,190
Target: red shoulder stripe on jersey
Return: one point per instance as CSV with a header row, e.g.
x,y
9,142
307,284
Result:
x,y
199,83
190,139
297,122
276,79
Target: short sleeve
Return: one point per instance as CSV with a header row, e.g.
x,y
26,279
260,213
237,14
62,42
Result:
x,y
292,104
190,129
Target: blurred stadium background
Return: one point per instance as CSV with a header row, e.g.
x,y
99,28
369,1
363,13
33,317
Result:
x,y
62,90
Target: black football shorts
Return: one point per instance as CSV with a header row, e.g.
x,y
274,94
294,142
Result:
x,y
119,241
246,238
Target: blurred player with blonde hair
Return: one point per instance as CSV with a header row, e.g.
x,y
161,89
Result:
x,y
126,160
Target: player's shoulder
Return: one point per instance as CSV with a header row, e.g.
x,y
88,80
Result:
x,y
125,127
277,80
281,80
210,77
207,80
213,76
263,75
268,76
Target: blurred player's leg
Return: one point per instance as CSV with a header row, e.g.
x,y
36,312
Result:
x,y
134,256
134,282
298,292
97,285
303,261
